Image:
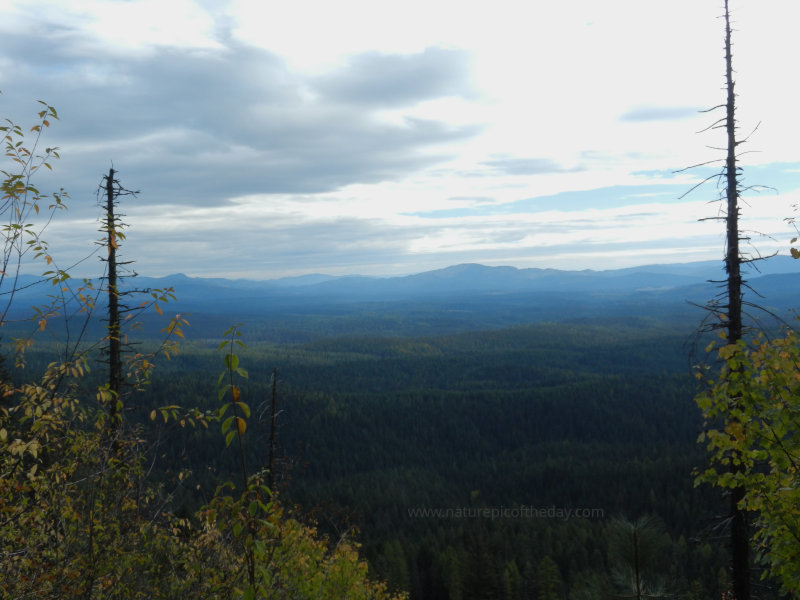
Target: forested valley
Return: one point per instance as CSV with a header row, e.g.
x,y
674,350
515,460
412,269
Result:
x,y
531,420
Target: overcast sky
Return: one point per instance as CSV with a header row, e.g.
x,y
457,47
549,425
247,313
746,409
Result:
x,y
381,138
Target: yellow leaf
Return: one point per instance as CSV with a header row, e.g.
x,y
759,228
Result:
x,y
153,415
158,309
236,393
241,425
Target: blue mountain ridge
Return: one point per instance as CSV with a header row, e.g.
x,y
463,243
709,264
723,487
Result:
x,y
777,279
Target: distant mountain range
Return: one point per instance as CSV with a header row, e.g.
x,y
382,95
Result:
x,y
672,279
468,293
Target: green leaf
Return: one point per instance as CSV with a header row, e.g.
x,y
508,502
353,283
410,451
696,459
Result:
x,y
231,362
226,424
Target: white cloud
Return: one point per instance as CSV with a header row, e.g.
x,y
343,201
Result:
x,y
324,136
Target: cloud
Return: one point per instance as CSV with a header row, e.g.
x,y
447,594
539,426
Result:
x,y
526,166
659,113
198,126
573,201
387,80
372,145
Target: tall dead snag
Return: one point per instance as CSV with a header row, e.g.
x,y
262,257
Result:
x,y
727,313
740,563
733,257
112,226
114,329
128,370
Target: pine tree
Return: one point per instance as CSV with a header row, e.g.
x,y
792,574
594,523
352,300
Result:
x,y
636,554
549,585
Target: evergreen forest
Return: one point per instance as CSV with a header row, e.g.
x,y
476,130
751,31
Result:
x,y
479,464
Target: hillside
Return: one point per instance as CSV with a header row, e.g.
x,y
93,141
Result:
x,y
458,298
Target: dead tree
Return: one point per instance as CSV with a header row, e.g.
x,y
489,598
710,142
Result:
x,y
727,309
112,227
114,329
740,544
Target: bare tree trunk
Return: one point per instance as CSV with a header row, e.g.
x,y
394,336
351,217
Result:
x,y
114,342
733,262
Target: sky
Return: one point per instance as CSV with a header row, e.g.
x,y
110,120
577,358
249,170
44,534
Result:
x,y
271,139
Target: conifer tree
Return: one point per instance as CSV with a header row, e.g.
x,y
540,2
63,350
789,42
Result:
x,y
549,585
636,552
